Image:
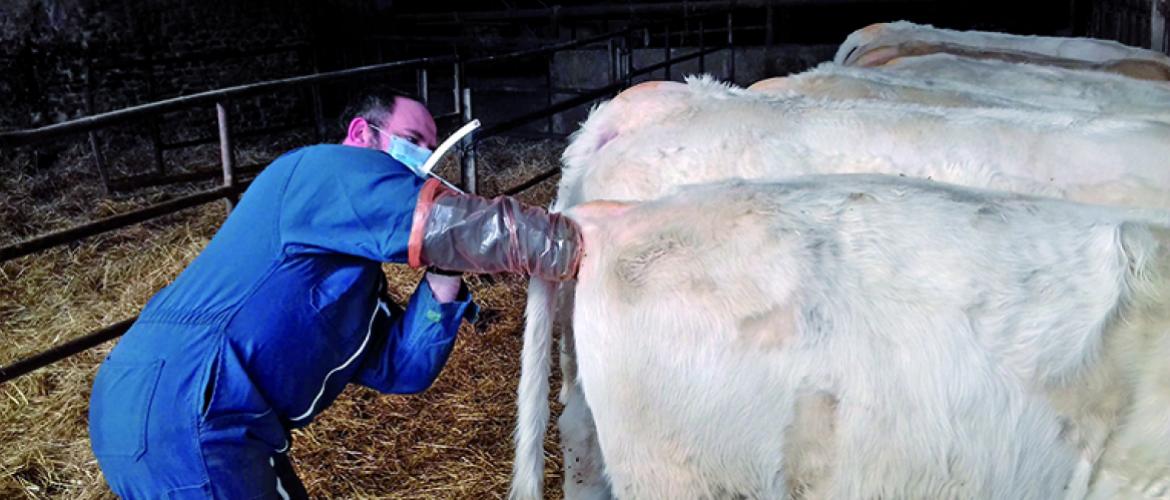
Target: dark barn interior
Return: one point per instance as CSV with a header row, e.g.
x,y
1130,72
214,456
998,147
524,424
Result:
x,y
64,59
117,114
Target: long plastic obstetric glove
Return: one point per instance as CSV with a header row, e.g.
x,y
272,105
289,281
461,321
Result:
x,y
462,232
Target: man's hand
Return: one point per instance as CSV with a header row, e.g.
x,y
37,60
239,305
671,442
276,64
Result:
x,y
444,285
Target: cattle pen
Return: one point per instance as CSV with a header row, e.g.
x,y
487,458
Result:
x,y
103,208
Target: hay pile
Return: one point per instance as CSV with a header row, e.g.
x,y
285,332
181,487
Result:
x,y
454,441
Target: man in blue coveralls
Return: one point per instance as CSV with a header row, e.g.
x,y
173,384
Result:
x,y
287,305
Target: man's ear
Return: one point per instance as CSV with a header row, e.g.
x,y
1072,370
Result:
x,y
356,135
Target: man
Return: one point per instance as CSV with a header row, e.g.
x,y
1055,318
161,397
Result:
x,y
287,305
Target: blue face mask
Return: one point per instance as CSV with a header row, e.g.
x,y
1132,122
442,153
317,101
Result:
x,y
411,155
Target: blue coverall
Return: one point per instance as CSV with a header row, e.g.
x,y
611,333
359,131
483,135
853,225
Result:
x,y
266,327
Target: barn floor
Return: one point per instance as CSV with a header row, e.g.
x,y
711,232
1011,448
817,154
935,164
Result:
x,y
453,441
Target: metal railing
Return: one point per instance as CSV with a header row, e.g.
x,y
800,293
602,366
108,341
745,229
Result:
x,y
629,9
622,71
94,122
221,98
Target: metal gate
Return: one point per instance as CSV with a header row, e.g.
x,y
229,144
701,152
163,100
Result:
x,y
1141,23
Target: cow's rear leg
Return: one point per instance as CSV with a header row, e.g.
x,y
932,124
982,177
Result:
x,y
584,467
645,471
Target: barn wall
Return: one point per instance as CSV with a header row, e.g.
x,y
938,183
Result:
x,y
590,69
62,59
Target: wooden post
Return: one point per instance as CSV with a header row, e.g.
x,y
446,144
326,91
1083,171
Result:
x,y
315,94
554,22
769,35
423,85
548,89
100,162
702,48
627,60
1115,26
618,61
613,60
226,153
154,123
160,165
467,160
730,50
318,112
1164,11
1158,12
457,79
666,49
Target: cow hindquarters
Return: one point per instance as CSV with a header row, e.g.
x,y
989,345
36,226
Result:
x,y
1136,459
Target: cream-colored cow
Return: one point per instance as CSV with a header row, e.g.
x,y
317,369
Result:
x,y
879,44
875,337
953,81
656,137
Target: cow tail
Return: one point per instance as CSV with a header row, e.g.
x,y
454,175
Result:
x,y
532,398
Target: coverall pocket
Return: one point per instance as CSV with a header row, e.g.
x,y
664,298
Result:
x,y
329,292
120,407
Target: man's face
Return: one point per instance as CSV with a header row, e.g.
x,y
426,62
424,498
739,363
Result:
x,y
410,120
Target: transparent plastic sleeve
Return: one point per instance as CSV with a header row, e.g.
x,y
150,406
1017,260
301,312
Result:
x,y
462,232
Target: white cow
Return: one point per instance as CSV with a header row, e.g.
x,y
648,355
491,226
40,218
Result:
x,y
836,82
876,337
656,137
952,81
878,44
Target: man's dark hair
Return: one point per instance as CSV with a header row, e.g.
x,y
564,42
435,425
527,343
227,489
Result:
x,y
372,100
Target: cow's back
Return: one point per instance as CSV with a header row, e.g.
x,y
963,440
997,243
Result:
x,y
721,133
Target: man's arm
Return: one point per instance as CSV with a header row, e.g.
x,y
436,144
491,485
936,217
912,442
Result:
x,y
413,345
465,232
364,203
349,200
